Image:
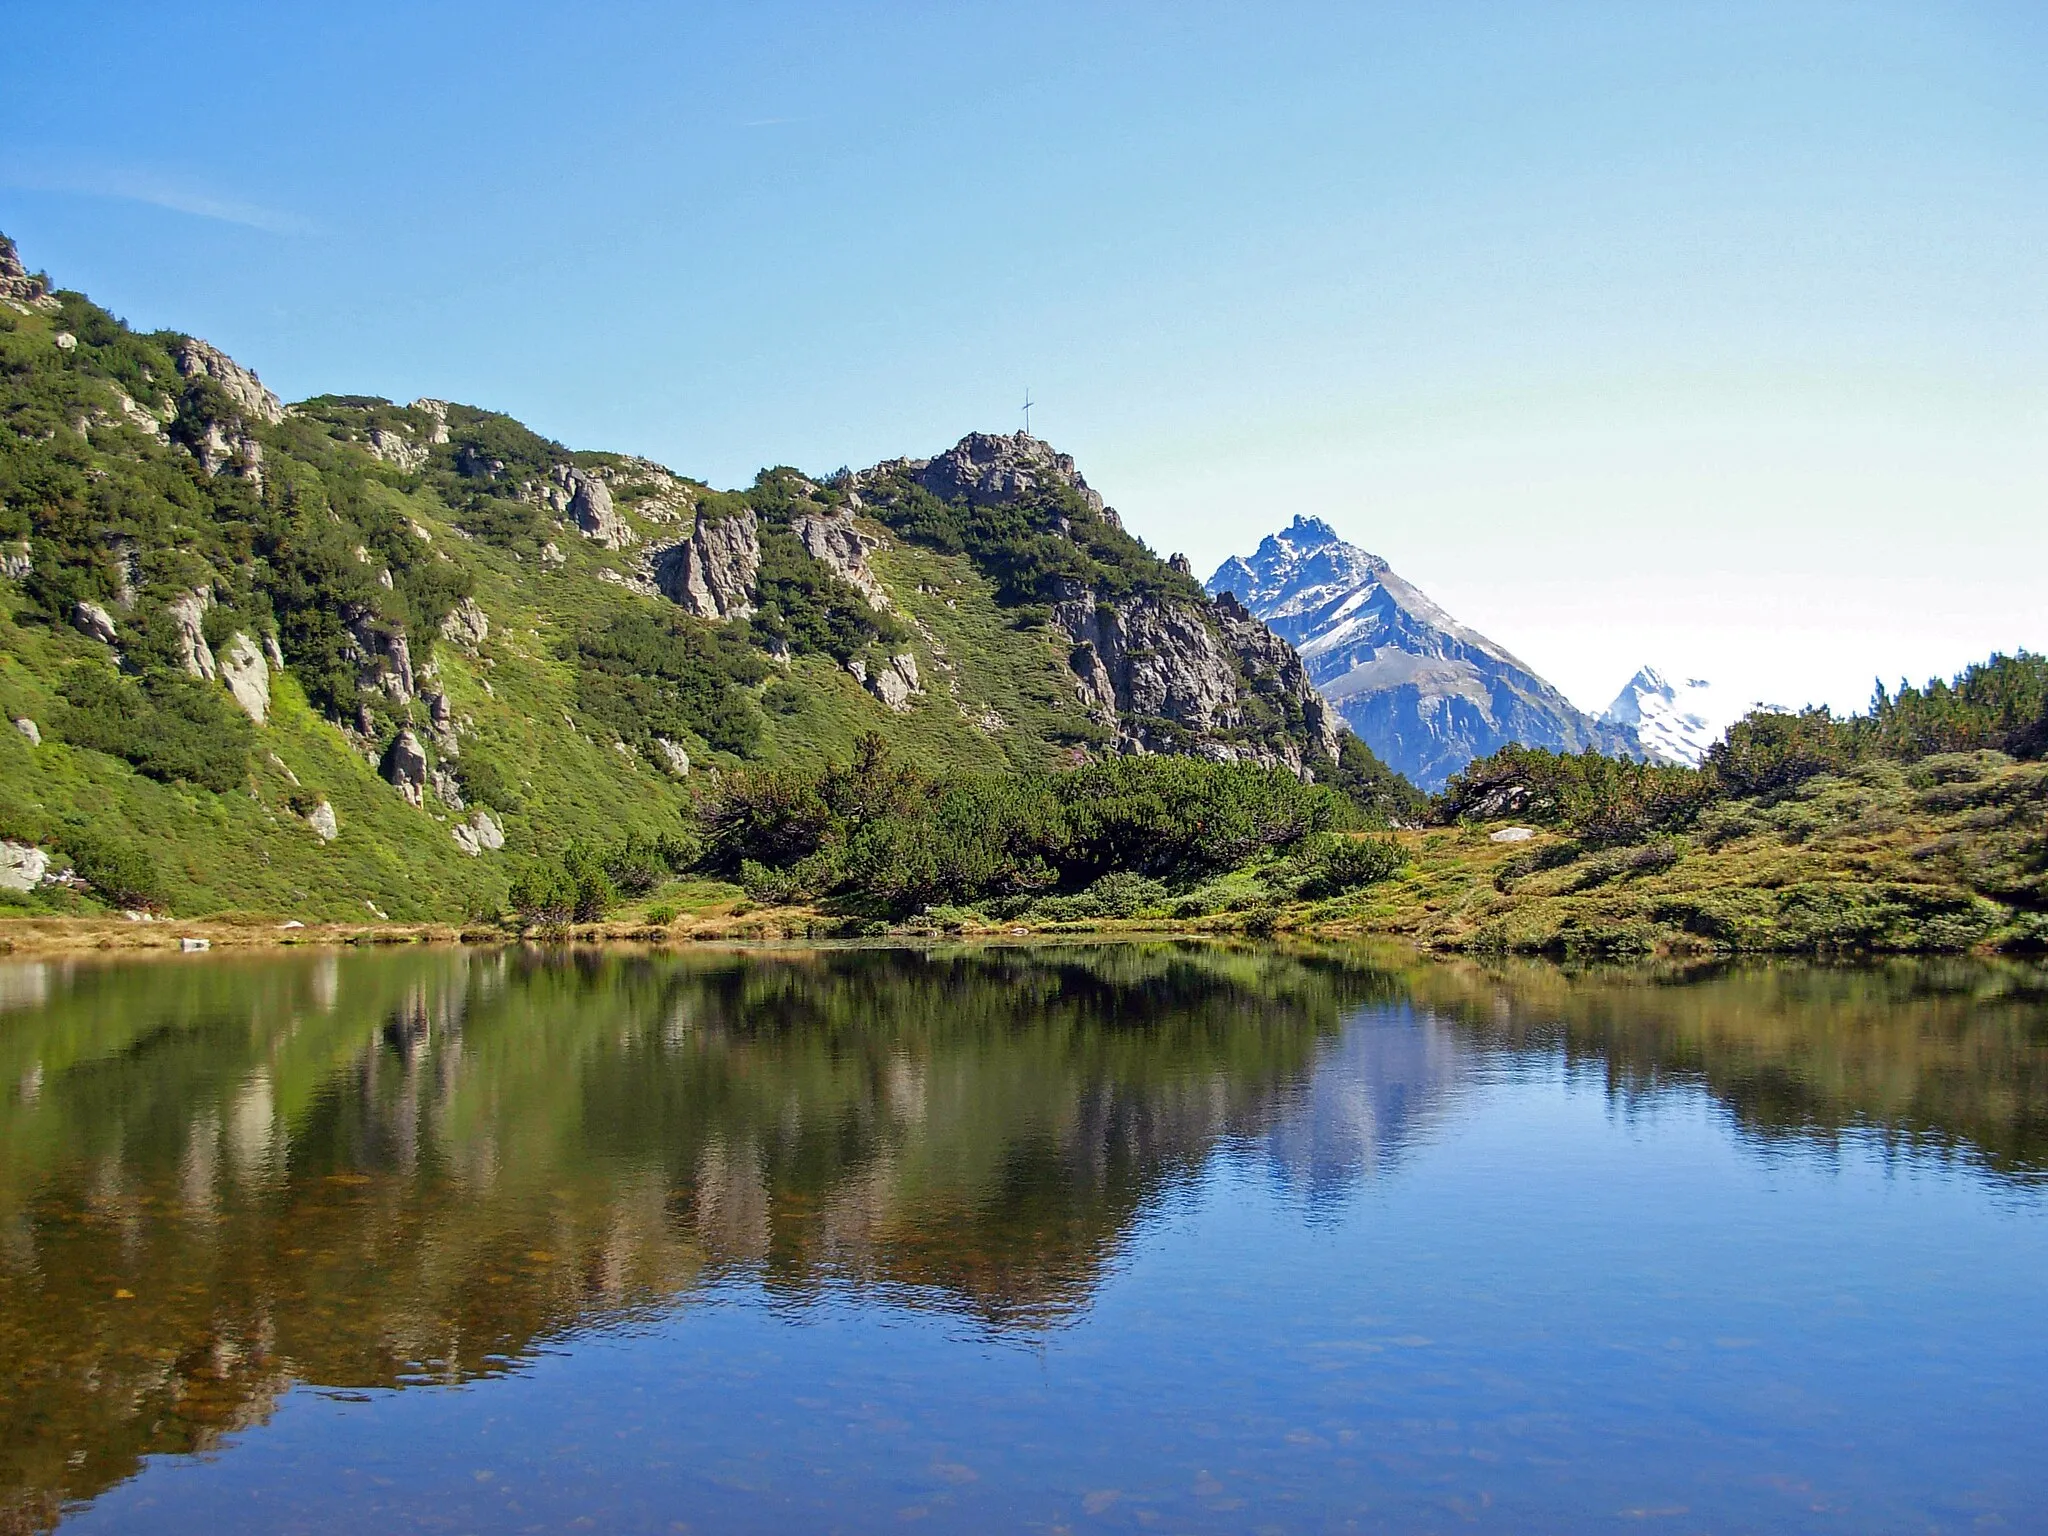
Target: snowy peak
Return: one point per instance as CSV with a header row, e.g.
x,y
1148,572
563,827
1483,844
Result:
x,y
1297,570
1675,722
1424,691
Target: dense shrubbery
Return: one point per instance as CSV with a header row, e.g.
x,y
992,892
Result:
x,y
655,673
584,883
879,835
118,871
1034,547
168,726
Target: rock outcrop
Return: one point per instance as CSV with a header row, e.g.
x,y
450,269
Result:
x,y
188,614
1151,668
30,731
247,675
988,468
405,766
1275,672
94,622
324,823
1425,692
839,544
383,658
397,448
894,682
19,286
196,359
711,573
586,501
677,759
480,834
467,625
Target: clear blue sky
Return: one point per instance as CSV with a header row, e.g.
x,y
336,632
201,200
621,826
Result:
x,y
1714,336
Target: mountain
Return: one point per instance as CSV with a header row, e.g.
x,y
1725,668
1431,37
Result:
x,y
1424,692
346,657
1675,722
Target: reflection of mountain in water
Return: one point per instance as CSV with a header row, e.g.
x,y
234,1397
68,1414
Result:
x,y
218,1179
1377,1087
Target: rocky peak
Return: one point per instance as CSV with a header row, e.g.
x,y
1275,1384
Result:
x,y
989,467
18,285
196,359
1296,569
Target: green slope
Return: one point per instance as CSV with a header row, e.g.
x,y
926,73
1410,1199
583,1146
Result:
x,y
359,540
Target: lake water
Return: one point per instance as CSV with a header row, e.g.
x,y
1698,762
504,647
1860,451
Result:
x,y
1142,1237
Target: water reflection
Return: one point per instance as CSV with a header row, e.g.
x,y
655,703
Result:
x,y
221,1178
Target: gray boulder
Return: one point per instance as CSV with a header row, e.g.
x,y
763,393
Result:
x,y
22,866
94,622
29,729
480,834
678,760
323,822
894,682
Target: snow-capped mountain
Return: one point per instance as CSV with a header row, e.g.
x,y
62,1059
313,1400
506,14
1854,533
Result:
x,y
1426,693
1675,722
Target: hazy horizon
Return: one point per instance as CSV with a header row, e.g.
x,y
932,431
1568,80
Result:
x,y
1710,338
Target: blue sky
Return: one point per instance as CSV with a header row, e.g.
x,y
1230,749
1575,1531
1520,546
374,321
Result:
x,y
1713,336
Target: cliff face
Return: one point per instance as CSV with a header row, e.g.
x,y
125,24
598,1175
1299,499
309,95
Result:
x,y
1425,692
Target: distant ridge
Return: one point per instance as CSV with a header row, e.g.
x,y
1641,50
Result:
x,y
1425,692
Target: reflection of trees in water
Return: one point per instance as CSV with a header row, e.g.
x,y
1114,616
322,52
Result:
x,y
400,1168
217,1179
1944,1056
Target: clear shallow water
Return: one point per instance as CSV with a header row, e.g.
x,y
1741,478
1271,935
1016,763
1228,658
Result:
x,y
1093,1239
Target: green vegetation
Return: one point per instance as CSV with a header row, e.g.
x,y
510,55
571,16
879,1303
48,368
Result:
x,y
879,835
1921,825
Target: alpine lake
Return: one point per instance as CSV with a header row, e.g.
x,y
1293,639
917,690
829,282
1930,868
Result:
x,y
1159,1236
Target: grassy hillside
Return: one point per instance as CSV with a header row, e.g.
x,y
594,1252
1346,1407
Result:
x,y
436,584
